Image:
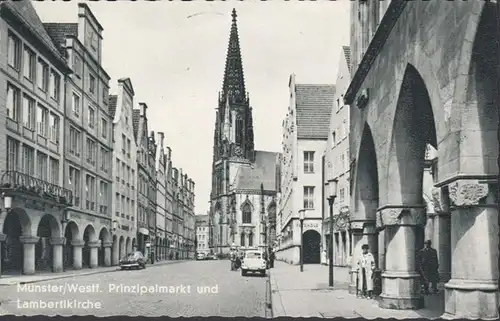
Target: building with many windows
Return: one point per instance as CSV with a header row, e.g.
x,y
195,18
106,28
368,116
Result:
x,y
336,166
146,181
32,76
202,234
169,204
161,199
124,193
305,132
88,147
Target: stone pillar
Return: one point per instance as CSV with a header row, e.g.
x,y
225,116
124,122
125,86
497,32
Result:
x,y
94,253
57,253
29,253
107,253
363,232
441,239
115,253
77,254
381,248
400,280
2,239
472,291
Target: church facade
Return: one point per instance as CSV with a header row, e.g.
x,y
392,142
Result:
x,y
244,180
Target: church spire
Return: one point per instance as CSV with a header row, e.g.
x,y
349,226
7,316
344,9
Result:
x,y
234,81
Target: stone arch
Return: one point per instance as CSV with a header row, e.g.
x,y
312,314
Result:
x,y
71,234
128,245
48,227
412,129
72,231
312,247
121,247
16,224
104,235
366,187
89,236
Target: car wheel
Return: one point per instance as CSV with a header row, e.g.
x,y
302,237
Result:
x,y
243,273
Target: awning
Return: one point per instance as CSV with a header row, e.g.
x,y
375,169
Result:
x,y
143,230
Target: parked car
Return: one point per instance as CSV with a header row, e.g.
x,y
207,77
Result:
x,y
200,256
133,260
253,262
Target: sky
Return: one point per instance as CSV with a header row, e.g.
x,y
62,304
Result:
x,y
174,53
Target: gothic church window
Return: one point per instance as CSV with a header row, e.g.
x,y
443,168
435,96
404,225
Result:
x,y
239,130
242,239
247,214
250,239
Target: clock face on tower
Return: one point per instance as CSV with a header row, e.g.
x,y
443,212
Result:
x,y
238,152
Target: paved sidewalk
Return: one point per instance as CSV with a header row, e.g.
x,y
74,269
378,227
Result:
x,y
14,279
306,294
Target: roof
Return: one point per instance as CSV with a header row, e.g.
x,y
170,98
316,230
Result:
x,y
314,105
112,101
263,172
59,31
26,13
136,116
347,55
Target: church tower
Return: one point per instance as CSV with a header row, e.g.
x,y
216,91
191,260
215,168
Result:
x,y
233,134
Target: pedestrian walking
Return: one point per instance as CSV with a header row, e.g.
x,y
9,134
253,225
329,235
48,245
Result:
x,y
272,257
429,265
365,268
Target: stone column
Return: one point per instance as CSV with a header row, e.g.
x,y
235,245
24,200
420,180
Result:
x,y
472,291
115,253
29,253
441,239
77,254
107,253
381,248
57,253
363,232
94,253
2,239
400,280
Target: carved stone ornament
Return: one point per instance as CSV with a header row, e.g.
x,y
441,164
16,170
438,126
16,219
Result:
x,y
467,193
403,215
378,220
357,225
438,202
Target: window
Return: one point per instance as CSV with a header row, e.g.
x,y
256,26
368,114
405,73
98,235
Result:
x,y
93,41
103,193
12,154
128,147
74,182
75,105
117,168
14,51
342,163
29,63
41,120
90,192
42,166
105,94
247,214
308,196
77,64
28,160
91,151
13,101
104,159
54,171
91,117
123,205
124,142
28,112
91,84
104,128
54,85
74,141
42,75
242,239
334,139
342,195
250,239
308,162
239,130
54,128
117,202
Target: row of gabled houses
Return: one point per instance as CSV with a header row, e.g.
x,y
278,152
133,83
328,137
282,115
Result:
x,y
84,180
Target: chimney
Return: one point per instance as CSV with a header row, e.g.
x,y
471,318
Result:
x,y
143,108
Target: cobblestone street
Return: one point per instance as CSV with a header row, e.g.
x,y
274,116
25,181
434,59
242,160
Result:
x,y
172,290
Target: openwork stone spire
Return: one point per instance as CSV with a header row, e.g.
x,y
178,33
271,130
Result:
x,y
234,81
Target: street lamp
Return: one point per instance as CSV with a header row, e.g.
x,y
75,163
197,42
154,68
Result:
x,y
332,194
7,202
302,213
